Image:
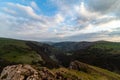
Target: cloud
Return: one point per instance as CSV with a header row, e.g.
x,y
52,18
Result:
x,y
25,22
34,5
104,7
74,20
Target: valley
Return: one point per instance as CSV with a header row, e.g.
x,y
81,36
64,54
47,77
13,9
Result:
x,y
66,59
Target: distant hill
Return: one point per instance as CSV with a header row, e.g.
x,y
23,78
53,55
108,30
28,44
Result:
x,y
72,46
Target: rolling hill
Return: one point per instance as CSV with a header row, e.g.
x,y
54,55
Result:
x,y
58,56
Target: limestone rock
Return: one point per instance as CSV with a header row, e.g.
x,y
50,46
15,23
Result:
x,y
25,72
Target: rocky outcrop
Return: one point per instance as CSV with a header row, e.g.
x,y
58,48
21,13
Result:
x,y
76,65
25,72
76,71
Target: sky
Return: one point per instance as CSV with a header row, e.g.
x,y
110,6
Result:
x,y
60,20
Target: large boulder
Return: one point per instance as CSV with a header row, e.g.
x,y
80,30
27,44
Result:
x,y
79,66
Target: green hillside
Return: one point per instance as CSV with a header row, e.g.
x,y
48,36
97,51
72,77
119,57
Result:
x,y
17,51
84,71
107,47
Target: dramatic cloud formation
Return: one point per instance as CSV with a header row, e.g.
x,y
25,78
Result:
x,y
60,20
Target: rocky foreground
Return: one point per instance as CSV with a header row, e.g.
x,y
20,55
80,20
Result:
x,y
27,72
76,71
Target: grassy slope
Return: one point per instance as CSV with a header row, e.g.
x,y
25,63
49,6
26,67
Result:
x,y
94,74
17,51
111,47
